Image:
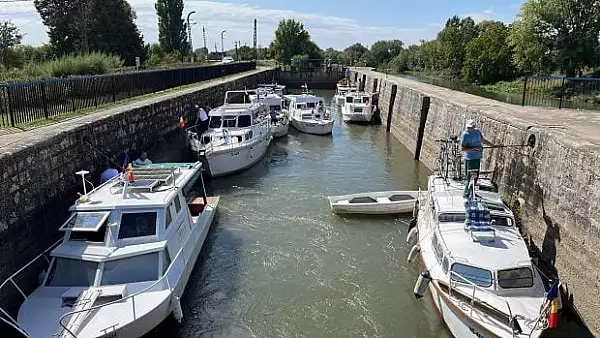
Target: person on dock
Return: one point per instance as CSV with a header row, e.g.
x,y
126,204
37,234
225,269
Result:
x,y
471,143
142,161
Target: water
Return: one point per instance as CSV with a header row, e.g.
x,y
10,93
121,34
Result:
x,y
278,263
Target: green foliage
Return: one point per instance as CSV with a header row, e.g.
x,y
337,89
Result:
x,y
557,34
292,39
9,37
244,53
383,51
171,26
453,40
488,57
301,61
159,57
355,54
105,26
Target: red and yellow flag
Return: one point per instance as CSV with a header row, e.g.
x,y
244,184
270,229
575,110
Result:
x,y
181,122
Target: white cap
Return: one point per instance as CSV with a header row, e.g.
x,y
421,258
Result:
x,y
470,124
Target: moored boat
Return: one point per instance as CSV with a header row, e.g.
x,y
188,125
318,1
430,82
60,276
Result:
x,y
279,125
309,115
374,203
475,262
344,87
127,253
356,107
238,136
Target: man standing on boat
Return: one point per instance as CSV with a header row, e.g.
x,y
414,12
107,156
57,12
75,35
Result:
x,y
201,119
471,143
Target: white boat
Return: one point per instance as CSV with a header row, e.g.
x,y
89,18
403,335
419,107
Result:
x,y
374,203
126,256
476,268
238,136
273,87
305,115
275,102
343,87
356,107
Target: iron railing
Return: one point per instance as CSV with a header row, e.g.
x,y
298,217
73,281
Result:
x,y
25,102
561,92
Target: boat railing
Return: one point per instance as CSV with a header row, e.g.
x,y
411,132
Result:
x,y
452,283
4,315
162,280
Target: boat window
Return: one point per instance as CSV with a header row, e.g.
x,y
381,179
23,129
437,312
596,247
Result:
x,y
166,261
306,116
349,99
358,109
365,99
501,221
72,273
244,121
135,269
168,218
90,236
300,106
215,122
310,104
177,204
451,218
85,221
275,108
465,274
248,135
229,122
137,224
515,278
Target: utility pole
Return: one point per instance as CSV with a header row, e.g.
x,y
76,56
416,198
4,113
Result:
x,y
222,45
204,37
255,37
237,55
189,27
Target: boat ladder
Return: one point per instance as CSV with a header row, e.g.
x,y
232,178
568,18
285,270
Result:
x,y
85,301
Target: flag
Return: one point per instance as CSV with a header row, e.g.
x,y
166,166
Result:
x,y
181,122
125,162
552,296
553,292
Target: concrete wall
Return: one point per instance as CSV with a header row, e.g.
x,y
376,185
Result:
x,y
37,180
556,183
316,79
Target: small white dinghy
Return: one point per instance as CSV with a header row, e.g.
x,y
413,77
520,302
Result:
x,y
375,203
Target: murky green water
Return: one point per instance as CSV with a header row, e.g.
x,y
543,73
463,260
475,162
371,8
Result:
x,y
278,263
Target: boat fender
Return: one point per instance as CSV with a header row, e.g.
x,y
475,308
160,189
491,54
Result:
x,y
177,310
421,284
412,223
413,253
416,209
412,236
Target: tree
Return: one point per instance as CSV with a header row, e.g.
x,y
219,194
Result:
x,y
334,55
171,26
245,53
453,40
86,26
9,37
488,57
561,34
356,53
383,51
292,39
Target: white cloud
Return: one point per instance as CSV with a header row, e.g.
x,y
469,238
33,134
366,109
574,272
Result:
x,y
237,20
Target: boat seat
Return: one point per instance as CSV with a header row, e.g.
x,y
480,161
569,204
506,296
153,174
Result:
x,y
365,199
397,198
196,205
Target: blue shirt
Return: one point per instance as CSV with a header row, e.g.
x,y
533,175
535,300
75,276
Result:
x,y
472,140
139,162
108,174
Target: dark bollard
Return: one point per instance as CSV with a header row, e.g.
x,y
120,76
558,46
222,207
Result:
x,y
424,111
391,107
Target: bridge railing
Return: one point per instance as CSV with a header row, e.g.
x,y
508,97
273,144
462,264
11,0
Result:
x,y
23,103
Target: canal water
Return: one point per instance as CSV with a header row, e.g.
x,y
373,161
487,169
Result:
x,y
278,263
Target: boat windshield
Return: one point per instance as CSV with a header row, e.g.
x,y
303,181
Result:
x,y
502,221
72,273
244,121
215,122
466,273
275,108
515,278
135,269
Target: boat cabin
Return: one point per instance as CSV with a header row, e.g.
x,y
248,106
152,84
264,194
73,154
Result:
x,y
305,106
357,98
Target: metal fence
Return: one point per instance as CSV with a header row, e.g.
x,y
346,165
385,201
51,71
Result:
x,y
561,92
30,101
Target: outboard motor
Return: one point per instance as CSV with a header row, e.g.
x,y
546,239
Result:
x,y
421,284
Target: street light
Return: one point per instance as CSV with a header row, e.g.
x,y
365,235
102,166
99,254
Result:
x,y
222,46
190,33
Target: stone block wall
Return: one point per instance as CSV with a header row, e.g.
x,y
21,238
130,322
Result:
x,y
37,176
556,183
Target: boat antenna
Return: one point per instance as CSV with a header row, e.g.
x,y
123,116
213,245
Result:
x,y
203,187
82,173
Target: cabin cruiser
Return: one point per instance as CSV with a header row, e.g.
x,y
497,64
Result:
x,y
356,107
127,253
475,262
238,135
309,115
344,87
272,87
280,124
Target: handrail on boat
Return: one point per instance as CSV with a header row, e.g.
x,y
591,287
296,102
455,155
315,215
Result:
x,y
476,287
132,296
9,319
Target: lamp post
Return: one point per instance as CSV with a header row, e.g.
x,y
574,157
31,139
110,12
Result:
x,y
222,45
189,27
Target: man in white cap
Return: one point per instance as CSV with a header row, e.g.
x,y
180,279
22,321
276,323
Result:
x,y
471,143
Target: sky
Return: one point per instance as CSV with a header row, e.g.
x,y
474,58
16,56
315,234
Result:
x,y
331,23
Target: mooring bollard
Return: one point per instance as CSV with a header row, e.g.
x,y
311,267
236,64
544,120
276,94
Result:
x,y
391,107
424,111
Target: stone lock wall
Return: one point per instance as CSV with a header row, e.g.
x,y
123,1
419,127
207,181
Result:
x,y
556,183
37,176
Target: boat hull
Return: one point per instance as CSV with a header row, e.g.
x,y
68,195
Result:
x,y
312,128
365,116
229,161
381,203
280,130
